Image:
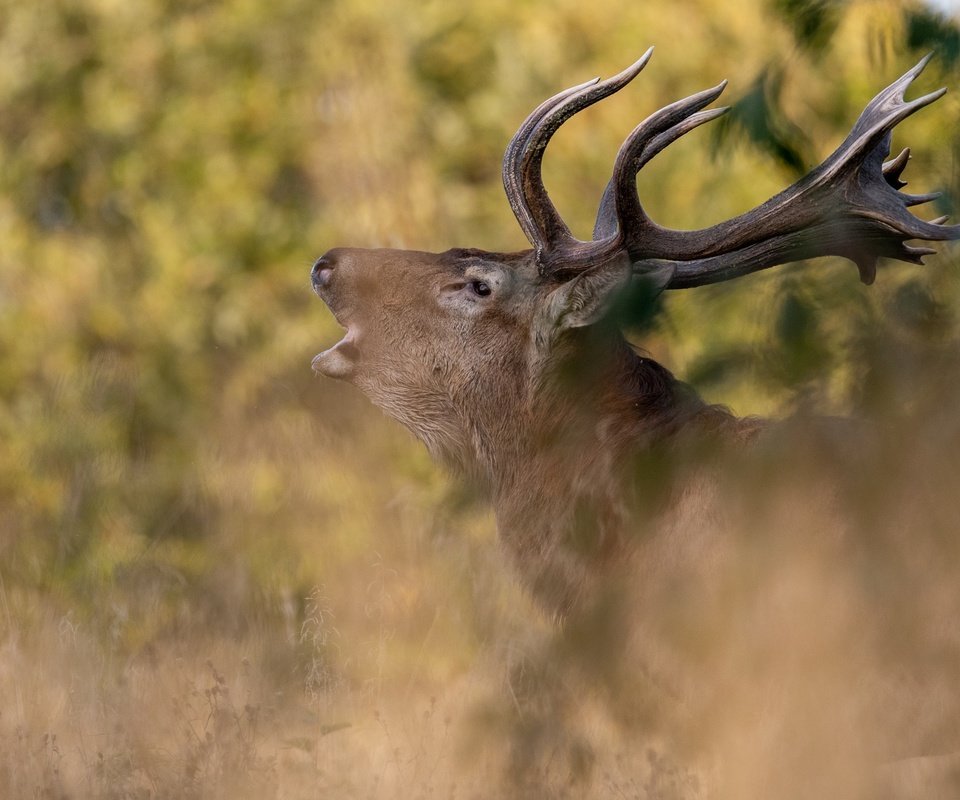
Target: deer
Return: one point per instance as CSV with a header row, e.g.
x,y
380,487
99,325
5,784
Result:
x,y
513,368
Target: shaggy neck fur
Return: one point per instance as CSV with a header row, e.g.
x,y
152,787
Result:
x,y
562,467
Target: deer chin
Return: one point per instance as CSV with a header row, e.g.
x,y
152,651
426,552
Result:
x,y
339,361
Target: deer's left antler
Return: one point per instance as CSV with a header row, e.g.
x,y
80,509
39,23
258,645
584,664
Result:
x,y
851,205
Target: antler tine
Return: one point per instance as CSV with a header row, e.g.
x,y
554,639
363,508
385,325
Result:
x,y
848,206
893,169
620,206
512,172
920,199
886,110
523,160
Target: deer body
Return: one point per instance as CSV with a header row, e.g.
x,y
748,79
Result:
x,y
513,370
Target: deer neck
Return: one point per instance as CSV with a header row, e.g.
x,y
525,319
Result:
x,y
569,503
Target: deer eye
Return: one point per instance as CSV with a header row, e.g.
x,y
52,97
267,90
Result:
x,y
480,288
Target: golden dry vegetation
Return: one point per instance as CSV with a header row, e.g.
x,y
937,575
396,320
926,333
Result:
x,y
223,577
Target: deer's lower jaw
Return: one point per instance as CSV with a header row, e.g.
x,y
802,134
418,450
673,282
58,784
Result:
x,y
339,361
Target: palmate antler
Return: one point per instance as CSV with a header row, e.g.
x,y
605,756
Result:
x,y
848,206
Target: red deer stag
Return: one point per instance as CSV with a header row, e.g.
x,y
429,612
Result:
x,y
473,351
781,656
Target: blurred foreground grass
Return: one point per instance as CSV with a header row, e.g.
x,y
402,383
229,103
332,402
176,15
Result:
x,y
222,577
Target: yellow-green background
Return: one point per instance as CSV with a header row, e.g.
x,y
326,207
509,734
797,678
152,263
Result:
x,y
177,487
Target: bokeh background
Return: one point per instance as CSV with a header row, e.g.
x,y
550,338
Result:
x,y
222,576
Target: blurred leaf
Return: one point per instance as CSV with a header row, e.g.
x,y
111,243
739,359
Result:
x,y
915,307
637,307
929,31
812,22
713,369
799,354
759,117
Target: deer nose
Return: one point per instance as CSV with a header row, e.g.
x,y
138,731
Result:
x,y
322,271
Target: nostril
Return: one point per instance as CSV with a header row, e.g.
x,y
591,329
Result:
x,y
321,272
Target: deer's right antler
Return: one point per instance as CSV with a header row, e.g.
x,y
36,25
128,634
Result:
x,y
848,206
523,178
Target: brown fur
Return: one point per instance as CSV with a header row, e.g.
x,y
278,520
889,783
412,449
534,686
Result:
x,y
701,555
548,420
712,588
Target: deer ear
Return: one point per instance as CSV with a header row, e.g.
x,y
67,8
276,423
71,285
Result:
x,y
593,295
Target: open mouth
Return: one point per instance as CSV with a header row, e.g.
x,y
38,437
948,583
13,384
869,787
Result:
x,y
340,360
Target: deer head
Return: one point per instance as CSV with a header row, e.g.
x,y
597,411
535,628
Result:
x,y
466,347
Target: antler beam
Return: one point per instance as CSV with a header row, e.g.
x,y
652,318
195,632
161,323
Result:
x,y
851,205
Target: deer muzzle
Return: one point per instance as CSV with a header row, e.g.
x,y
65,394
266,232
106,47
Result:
x,y
339,361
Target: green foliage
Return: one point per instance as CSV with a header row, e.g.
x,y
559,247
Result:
x,y
757,114
927,30
171,170
812,22
170,466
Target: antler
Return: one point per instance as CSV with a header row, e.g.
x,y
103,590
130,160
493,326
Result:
x,y
523,179
849,206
